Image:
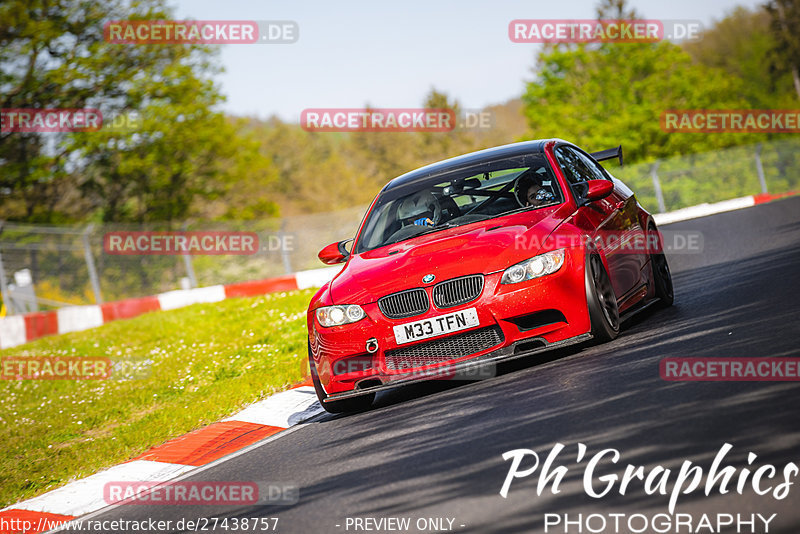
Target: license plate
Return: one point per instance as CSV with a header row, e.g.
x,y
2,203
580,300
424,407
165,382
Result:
x,y
436,326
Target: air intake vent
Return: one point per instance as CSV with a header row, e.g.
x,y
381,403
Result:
x,y
442,350
404,304
457,291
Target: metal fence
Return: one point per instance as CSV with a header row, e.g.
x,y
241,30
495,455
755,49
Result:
x,y
684,181
69,265
43,267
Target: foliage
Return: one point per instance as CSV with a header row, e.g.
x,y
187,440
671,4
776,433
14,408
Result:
x,y
599,96
183,160
784,56
53,55
602,96
739,44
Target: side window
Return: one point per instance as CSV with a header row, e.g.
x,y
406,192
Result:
x,y
577,166
574,168
598,173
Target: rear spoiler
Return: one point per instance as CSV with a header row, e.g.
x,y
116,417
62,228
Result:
x,y
611,153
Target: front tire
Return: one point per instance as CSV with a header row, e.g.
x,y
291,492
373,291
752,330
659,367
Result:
x,y
601,301
355,404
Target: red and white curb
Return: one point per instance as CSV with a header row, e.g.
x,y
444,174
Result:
x,y
18,329
704,210
168,461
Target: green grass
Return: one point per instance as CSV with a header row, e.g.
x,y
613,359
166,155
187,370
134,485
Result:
x,y
205,362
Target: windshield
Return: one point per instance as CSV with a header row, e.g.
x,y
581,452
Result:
x,y
459,197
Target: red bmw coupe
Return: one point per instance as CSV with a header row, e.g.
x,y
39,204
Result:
x,y
485,257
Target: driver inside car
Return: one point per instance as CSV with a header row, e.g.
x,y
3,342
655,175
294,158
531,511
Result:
x,y
421,209
532,193
539,195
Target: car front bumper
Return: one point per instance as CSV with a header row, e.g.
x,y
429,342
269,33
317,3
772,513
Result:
x,y
526,318
469,368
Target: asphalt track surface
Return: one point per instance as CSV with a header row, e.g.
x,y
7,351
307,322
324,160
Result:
x,y
434,450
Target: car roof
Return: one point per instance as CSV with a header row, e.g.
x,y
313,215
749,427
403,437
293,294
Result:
x,y
489,154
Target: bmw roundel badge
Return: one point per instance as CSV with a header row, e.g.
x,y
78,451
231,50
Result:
x,y
428,278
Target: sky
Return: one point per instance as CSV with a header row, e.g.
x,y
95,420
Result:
x,y
391,54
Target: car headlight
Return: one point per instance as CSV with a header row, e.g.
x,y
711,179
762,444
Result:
x,y
339,315
540,265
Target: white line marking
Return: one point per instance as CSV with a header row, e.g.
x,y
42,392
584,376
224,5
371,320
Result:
x,y
284,409
86,495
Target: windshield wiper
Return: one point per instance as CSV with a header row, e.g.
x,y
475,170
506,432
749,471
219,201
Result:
x,y
434,229
430,230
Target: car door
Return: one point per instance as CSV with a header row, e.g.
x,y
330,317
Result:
x,y
606,220
634,249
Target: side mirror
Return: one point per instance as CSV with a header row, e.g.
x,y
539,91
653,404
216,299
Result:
x,y
334,253
597,189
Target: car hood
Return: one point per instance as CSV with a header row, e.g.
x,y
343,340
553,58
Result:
x,y
480,247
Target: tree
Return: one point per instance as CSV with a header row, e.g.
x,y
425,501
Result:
x,y
438,145
738,45
317,172
785,25
53,55
615,10
599,96
178,157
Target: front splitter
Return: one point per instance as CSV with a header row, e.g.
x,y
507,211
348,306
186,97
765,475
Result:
x,y
502,354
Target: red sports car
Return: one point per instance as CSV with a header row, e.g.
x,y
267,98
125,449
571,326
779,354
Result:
x,y
484,257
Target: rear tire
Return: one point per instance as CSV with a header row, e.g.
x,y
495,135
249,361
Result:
x,y
355,404
601,300
662,277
